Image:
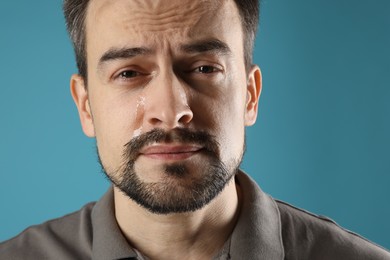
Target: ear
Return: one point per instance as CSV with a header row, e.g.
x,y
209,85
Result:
x,y
254,85
80,96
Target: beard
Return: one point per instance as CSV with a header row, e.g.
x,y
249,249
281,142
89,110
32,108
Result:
x,y
183,188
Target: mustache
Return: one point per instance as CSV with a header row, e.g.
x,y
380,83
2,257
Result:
x,y
181,135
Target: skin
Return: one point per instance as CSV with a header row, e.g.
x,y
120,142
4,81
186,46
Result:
x,y
168,87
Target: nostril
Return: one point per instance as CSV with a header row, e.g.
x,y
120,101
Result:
x,y
168,107
155,121
185,117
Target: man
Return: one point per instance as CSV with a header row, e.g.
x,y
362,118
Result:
x,y
167,88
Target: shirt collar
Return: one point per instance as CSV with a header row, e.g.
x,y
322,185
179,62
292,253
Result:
x,y
257,234
108,240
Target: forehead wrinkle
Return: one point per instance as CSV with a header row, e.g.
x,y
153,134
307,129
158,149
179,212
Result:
x,y
225,13
160,23
167,21
166,8
153,16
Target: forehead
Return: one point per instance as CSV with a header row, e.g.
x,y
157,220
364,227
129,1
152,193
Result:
x,y
153,15
140,21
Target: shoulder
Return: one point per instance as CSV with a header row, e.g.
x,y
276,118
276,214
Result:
x,y
68,237
309,236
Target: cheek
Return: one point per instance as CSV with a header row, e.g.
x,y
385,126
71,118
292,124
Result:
x,y
232,129
223,116
115,121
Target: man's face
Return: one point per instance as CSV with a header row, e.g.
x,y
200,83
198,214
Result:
x,y
168,98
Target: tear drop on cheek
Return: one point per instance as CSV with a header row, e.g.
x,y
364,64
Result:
x,y
137,132
141,101
138,115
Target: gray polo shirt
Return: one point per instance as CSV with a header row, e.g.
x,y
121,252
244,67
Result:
x,y
266,229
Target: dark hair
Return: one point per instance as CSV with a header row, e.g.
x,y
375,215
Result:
x,y
75,13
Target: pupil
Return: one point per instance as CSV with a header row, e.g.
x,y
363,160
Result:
x,y
206,69
128,74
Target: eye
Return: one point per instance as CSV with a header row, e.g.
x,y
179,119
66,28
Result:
x,y
128,74
206,69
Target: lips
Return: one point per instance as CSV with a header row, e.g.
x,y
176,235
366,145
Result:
x,y
170,151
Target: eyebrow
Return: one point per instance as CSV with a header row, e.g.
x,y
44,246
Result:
x,y
122,53
213,46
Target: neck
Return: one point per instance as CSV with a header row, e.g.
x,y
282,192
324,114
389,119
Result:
x,y
194,235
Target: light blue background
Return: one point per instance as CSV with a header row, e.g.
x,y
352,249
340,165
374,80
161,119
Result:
x,y
321,141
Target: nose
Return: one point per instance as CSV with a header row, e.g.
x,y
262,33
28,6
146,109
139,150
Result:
x,y
167,104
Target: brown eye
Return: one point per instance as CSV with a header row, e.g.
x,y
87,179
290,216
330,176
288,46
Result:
x,y
205,69
128,74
